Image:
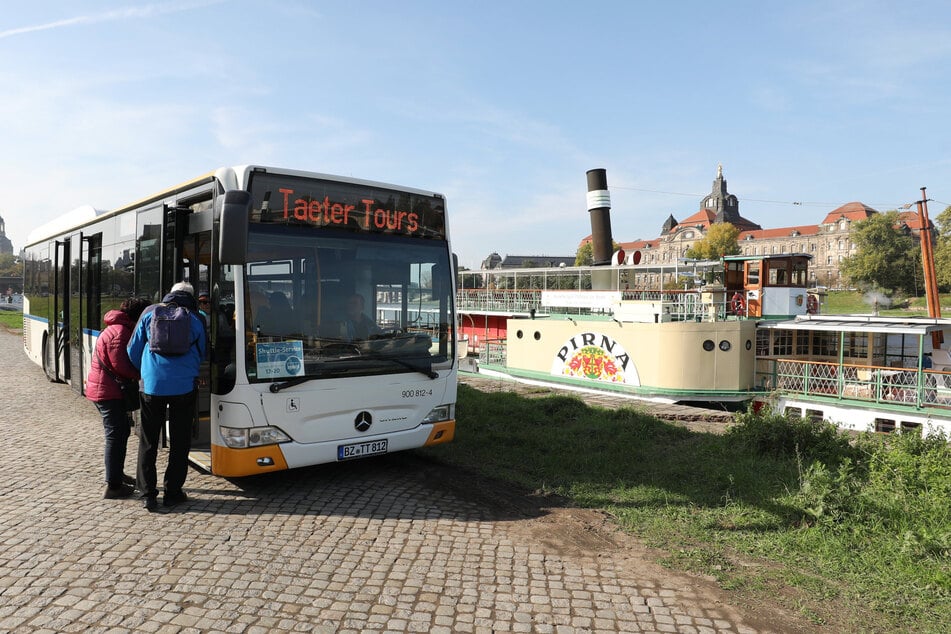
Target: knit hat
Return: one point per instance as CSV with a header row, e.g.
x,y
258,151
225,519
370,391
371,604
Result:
x,y
183,287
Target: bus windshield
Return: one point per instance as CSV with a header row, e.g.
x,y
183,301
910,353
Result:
x,y
322,303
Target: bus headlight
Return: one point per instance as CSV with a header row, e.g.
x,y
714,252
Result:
x,y
439,413
243,437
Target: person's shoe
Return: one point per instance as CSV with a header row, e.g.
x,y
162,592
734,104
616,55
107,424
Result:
x,y
174,498
151,504
116,492
127,479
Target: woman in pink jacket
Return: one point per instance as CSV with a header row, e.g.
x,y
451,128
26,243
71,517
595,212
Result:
x,y
103,390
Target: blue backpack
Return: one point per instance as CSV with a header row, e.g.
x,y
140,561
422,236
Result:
x,y
170,332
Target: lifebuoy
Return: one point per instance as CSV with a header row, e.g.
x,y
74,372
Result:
x,y
812,305
738,303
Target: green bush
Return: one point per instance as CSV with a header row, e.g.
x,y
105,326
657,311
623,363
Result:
x,y
781,436
827,496
909,480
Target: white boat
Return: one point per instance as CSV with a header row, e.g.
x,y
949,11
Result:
x,y
695,344
753,338
864,373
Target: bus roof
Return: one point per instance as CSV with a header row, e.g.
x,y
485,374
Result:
x,y
230,177
79,216
87,213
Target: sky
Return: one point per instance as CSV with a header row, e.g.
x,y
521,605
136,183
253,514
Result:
x,y
501,105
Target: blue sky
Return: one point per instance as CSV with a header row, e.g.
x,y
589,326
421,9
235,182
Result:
x,y
501,105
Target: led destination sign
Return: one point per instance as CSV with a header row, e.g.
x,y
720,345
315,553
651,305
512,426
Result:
x,y
371,216
347,206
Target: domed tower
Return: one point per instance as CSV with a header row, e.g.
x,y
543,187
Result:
x,y
724,205
491,262
5,245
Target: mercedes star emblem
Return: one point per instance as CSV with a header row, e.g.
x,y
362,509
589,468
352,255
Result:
x,y
363,421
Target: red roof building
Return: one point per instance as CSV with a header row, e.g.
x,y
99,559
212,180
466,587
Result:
x,y
828,242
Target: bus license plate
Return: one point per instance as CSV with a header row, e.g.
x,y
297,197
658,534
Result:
x,y
362,449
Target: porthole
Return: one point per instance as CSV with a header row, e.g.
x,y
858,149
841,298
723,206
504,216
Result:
x,y
518,333
708,345
749,344
538,336
725,345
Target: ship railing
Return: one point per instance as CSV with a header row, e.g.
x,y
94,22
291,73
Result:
x,y
680,305
499,300
493,352
874,384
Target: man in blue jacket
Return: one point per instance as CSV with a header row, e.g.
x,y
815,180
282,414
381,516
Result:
x,y
169,387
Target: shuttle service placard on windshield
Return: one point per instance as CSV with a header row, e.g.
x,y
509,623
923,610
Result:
x,y
279,359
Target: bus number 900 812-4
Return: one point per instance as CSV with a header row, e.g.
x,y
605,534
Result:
x,y
417,393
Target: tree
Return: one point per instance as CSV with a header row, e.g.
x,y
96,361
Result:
x,y
887,255
942,249
10,265
721,239
584,256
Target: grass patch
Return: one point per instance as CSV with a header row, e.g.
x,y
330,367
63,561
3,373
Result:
x,y
11,320
856,302
860,532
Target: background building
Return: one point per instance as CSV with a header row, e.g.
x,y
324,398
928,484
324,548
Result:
x,y
6,246
828,242
496,261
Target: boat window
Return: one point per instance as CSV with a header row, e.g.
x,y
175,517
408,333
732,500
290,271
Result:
x,y
825,344
856,344
884,425
762,342
752,274
799,273
802,342
782,343
777,275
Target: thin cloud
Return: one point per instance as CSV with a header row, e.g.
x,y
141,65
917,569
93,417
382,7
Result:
x,y
147,11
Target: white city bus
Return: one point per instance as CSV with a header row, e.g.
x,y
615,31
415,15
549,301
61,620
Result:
x,y
279,252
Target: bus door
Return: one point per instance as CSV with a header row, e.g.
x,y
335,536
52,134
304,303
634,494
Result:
x,y
63,359
194,247
76,311
55,346
88,318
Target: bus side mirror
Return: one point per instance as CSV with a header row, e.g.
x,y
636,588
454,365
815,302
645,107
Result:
x,y
233,227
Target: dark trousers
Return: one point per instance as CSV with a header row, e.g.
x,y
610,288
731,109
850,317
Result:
x,y
116,424
180,410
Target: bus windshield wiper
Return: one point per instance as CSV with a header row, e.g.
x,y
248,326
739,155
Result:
x,y
398,361
297,380
429,372
406,364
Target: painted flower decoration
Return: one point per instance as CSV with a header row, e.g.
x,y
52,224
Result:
x,y
591,362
